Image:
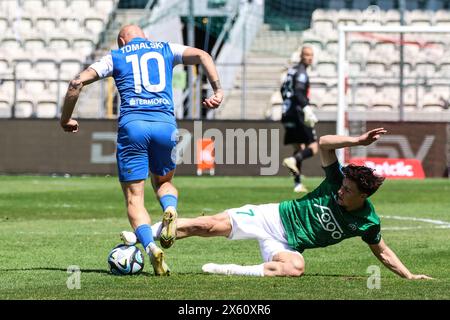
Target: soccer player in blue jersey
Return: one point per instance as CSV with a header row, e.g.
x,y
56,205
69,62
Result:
x,y
147,131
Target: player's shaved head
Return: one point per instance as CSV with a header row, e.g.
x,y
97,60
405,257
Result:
x,y
129,32
307,55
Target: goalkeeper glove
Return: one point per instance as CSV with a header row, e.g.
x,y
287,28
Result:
x,y
310,117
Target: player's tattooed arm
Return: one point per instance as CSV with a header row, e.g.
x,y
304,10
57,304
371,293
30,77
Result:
x,y
73,92
216,99
76,83
85,77
216,85
193,56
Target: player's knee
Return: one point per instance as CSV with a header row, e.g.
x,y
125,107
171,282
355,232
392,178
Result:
x,y
133,201
295,267
297,272
221,222
294,271
202,225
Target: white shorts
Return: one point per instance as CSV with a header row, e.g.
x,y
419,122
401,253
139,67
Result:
x,y
263,223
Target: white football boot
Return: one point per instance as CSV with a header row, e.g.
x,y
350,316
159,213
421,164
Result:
x,y
128,237
291,164
299,187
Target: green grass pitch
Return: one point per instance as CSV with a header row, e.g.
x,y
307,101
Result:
x,y
48,224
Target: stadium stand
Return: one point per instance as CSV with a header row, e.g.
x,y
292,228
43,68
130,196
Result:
x,y
43,41
374,66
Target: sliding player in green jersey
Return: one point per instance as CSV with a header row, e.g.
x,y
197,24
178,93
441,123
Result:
x,y
337,209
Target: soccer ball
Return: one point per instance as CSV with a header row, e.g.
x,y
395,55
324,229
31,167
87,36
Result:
x,y
125,260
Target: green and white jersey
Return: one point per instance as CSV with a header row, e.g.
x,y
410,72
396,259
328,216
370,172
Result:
x,y
316,220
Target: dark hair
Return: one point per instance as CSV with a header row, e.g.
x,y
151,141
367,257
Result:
x,y
365,178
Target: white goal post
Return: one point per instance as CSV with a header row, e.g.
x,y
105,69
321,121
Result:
x,y
341,128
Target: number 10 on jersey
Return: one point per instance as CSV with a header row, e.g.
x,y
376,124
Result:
x,y
141,75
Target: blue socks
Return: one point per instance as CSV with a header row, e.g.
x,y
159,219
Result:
x,y
144,234
168,200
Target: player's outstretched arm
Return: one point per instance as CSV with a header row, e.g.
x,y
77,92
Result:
x,y
73,92
392,262
193,56
329,143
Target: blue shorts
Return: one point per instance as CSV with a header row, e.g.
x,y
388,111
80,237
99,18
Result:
x,y
144,145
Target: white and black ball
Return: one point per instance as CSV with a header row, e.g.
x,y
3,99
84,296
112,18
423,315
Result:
x,y
125,260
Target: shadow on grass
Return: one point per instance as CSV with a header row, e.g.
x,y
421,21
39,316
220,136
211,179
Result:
x,y
100,271
345,276
144,273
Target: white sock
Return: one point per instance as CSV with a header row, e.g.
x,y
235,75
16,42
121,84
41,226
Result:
x,y
156,230
234,269
129,238
150,248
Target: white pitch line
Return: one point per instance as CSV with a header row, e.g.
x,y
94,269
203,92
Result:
x,y
413,228
439,223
